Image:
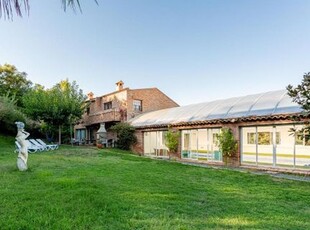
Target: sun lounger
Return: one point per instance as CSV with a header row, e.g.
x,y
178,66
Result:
x,y
42,147
51,146
33,146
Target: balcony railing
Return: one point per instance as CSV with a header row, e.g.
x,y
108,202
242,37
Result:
x,y
103,116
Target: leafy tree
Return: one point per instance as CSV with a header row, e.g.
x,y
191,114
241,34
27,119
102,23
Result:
x,y
8,6
61,105
226,143
125,135
9,114
13,83
301,95
172,140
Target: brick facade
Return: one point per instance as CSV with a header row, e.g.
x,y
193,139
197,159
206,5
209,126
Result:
x,y
118,106
152,99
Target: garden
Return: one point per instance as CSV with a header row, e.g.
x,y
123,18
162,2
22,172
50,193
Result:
x,y
88,188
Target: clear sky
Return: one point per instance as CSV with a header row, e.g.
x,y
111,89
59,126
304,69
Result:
x,y
192,50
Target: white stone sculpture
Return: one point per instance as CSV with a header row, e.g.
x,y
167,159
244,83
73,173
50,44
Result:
x,y
23,151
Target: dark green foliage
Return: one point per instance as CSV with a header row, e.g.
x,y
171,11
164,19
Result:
x,y
13,86
9,114
7,7
50,132
13,83
59,106
226,142
172,140
125,135
301,95
73,4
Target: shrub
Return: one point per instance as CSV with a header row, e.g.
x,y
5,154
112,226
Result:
x,y
125,135
301,95
172,140
9,114
226,142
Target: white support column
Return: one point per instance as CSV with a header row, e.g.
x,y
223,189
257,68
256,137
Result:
x,y
274,146
256,142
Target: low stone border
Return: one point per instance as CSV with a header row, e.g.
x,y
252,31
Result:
x,y
278,170
291,174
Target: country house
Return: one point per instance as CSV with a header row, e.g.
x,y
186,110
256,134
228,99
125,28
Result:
x,y
118,106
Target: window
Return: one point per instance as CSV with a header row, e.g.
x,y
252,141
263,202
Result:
x,y
186,141
251,138
137,105
278,138
307,139
264,138
214,139
107,105
163,140
88,111
299,138
302,139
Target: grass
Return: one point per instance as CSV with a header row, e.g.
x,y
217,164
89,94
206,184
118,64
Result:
x,y
86,188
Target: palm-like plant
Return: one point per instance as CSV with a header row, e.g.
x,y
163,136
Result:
x,y
7,7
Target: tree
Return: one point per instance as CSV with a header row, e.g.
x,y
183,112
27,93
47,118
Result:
x,y
8,6
61,105
301,95
125,135
9,114
226,143
172,140
13,83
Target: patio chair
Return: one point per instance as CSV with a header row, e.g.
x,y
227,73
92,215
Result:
x,y
29,148
33,146
52,146
42,147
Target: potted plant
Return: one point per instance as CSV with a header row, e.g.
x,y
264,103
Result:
x,y
227,144
99,145
172,142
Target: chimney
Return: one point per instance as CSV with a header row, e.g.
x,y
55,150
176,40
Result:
x,y
90,95
119,85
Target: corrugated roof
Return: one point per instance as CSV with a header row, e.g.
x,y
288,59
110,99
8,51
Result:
x,y
264,104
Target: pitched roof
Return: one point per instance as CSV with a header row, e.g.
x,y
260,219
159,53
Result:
x,y
258,105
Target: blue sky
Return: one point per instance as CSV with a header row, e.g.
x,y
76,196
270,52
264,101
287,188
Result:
x,y
192,50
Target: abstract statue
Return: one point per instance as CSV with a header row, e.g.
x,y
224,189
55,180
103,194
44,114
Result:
x,y
23,151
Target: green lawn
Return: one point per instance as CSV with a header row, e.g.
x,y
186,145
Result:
x,y
86,188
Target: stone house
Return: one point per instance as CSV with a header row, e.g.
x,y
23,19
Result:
x,y
118,106
261,124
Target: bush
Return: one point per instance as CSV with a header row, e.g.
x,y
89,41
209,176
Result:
x,y
172,140
9,114
226,142
125,135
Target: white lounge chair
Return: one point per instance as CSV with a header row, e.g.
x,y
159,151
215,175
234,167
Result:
x,y
42,147
52,146
32,146
29,148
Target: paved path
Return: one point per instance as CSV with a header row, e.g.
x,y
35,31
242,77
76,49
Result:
x,y
289,174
